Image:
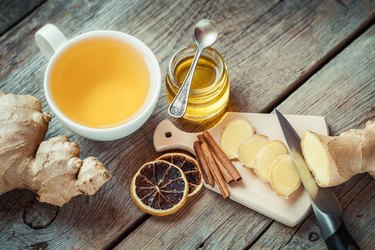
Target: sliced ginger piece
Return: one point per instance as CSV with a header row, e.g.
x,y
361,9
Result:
x,y
318,159
266,156
234,134
248,149
284,177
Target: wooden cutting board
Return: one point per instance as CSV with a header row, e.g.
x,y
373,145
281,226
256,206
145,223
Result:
x,y
251,192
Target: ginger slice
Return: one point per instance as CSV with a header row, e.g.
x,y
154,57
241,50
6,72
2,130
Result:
x,y
234,134
284,177
248,149
266,156
335,159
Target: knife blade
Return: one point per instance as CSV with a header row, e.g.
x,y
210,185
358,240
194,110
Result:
x,y
325,205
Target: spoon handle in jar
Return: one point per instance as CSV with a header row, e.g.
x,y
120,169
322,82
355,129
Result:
x,y
178,106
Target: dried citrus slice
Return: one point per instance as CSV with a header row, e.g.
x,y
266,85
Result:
x,y
159,188
190,167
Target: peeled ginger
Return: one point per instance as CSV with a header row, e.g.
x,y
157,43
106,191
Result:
x,y
249,148
284,177
233,135
266,156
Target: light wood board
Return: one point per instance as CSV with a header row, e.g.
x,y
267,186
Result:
x,y
251,191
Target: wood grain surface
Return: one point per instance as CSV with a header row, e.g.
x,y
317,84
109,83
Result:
x,y
344,92
271,49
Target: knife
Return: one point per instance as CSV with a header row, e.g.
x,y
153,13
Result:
x,y
325,205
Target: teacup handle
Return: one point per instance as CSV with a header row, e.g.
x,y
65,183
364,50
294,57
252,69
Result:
x,y
49,40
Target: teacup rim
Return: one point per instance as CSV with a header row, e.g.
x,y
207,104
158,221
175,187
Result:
x,y
150,101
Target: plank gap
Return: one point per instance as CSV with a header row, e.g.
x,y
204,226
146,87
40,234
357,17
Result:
x,y
201,245
299,226
21,18
259,234
340,196
342,3
321,63
133,226
360,191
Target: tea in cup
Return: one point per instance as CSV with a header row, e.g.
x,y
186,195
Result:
x,y
102,84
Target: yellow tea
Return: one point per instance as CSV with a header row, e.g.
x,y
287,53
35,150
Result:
x,y
99,82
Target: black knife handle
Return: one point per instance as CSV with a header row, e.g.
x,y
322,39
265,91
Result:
x,y
341,240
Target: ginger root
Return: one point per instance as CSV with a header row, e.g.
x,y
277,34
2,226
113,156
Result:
x,y
234,134
52,169
335,159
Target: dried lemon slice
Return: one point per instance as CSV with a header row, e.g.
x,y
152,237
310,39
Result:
x,y
159,188
190,168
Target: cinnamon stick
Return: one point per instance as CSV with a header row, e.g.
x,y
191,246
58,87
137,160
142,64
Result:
x,y
215,171
201,139
221,155
207,175
227,176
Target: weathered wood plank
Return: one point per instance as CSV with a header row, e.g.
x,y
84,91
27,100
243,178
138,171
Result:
x,y
278,235
12,11
194,224
239,231
248,29
218,238
358,216
347,87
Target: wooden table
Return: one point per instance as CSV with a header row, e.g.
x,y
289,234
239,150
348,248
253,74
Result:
x,y
301,56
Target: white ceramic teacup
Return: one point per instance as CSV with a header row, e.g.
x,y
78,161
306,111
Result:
x,y
53,43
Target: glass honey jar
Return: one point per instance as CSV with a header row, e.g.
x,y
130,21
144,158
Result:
x,y
209,93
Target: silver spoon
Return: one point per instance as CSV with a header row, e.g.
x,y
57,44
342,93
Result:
x,y
205,34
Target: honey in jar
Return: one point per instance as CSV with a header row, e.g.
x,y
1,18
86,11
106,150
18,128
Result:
x,y
209,92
